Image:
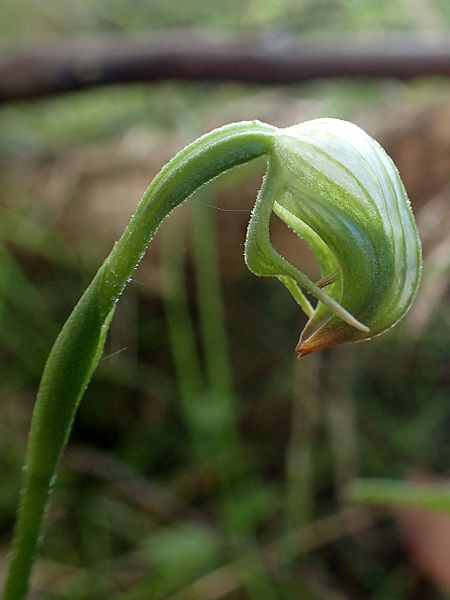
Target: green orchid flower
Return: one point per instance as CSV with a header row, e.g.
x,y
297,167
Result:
x,y
330,183
336,188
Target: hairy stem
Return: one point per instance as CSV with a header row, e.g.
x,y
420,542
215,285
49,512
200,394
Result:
x,y
78,348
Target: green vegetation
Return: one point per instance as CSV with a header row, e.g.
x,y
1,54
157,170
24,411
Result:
x,y
227,476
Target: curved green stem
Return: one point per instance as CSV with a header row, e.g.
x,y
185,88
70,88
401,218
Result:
x,y
77,350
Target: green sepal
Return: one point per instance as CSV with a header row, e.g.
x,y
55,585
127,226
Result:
x,y
336,188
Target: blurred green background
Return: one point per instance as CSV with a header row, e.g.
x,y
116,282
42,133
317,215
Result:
x,y
207,462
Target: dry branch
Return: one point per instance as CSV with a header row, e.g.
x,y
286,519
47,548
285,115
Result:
x,y
58,67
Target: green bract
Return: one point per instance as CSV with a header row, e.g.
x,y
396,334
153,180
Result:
x,y
330,182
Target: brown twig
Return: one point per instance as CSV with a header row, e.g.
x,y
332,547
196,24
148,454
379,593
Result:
x,y
58,67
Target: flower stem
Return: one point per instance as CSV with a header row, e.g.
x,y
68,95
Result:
x,y
78,348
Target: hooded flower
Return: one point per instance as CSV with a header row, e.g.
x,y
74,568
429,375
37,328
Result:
x,y
335,187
